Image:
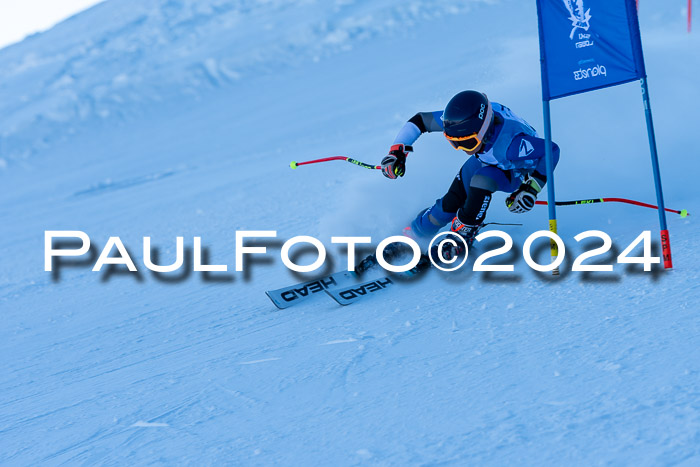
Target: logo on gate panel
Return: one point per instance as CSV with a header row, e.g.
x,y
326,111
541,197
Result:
x,y
580,17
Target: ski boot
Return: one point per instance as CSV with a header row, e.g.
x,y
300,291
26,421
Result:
x,y
452,251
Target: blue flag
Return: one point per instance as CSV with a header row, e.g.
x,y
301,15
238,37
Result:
x,y
587,45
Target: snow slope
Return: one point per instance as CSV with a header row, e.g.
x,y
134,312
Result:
x,y
174,117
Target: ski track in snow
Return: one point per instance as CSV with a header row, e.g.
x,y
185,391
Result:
x,y
157,123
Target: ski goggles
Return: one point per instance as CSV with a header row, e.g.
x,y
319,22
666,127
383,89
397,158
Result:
x,y
471,143
466,143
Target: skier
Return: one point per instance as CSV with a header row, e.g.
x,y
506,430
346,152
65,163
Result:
x,y
506,155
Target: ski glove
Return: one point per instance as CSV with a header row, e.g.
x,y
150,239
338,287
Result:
x,y
523,199
394,164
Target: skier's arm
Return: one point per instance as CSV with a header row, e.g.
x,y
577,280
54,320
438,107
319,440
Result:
x,y
422,122
394,164
528,152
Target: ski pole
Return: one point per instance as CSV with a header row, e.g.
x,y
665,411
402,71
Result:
x,y
683,212
295,164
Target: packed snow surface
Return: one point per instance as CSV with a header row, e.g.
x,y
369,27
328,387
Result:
x,y
166,118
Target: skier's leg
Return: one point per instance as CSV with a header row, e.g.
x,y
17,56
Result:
x,y
484,182
429,221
